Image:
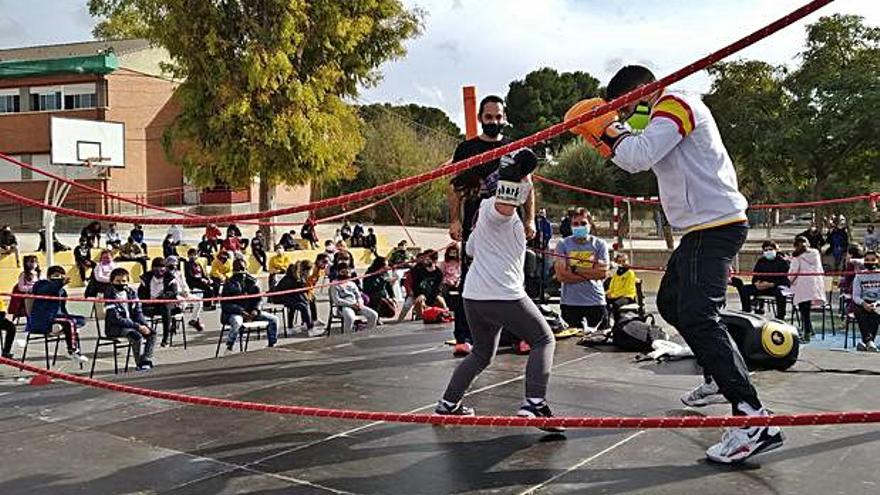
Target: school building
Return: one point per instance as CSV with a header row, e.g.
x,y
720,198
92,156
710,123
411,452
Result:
x,y
114,81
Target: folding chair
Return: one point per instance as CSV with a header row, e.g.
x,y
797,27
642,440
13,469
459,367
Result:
x,y
99,312
47,337
244,334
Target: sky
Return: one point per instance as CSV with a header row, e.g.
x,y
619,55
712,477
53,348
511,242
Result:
x,y
489,43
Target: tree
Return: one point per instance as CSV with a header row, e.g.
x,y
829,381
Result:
x,y
397,147
809,133
543,97
264,81
748,98
580,164
429,119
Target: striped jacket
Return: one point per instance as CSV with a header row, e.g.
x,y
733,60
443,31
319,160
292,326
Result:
x,y
682,145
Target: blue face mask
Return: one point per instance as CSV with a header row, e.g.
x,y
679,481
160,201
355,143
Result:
x,y
770,255
581,231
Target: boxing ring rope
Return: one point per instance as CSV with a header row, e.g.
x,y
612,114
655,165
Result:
x,y
452,168
869,197
810,419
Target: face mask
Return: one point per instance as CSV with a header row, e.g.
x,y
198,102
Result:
x,y
770,255
622,269
106,261
119,287
640,118
492,129
870,266
159,271
581,231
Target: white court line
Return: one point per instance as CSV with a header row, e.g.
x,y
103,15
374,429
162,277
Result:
x,y
352,431
581,464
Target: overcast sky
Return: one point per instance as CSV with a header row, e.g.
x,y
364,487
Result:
x,y
488,43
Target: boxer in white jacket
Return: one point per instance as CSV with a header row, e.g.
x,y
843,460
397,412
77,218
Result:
x,y
700,196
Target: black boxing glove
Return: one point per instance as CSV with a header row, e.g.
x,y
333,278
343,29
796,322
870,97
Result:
x,y
514,168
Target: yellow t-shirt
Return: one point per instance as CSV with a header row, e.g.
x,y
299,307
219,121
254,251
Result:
x,y
278,264
623,286
2,306
220,270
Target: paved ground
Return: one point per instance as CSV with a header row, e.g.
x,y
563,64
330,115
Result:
x,y
69,439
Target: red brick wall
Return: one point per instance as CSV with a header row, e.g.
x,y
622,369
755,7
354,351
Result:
x,y
146,105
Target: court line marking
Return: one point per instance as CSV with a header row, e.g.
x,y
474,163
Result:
x,y
581,464
347,433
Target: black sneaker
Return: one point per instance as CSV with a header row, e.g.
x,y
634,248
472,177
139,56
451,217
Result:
x,y
445,409
532,409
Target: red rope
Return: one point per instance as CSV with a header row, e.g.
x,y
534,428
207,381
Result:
x,y
810,419
631,199
494,154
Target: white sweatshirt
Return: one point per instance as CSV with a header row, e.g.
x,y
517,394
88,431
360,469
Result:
x,y
682,145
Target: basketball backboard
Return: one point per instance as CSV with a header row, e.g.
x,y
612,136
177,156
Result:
x,y
80,141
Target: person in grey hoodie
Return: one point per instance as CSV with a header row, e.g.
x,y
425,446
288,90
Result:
x,y
347,297
866,297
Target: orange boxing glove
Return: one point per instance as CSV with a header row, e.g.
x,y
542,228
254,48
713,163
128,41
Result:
x,y
593,130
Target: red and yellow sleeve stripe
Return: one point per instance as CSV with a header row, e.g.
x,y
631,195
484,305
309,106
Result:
x,y
676,110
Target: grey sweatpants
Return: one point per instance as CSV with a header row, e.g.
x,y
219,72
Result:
x,y
522,319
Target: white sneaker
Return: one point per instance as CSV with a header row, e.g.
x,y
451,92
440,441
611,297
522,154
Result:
x,y
320,323
316,332
861,346
78,358
872,347
738,444
703,395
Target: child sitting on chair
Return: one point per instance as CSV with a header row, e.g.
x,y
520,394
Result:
x,y
125,319
622,284
45,313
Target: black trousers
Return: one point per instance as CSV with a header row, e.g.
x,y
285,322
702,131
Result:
x,y
747,292
869,321
575,315
7,328
164,311
692,292
260,255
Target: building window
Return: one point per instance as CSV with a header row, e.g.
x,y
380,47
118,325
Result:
x,y
80,101
46,99
80,96
10,103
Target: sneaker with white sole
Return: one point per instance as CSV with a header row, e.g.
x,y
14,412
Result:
x,y
78,358
861,347
705,394
738,444
448,409
316,332
872,347
538,409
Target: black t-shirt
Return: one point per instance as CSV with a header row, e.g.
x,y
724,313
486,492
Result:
x,y
482,179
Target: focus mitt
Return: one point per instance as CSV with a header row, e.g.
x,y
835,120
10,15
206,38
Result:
x,y
592,130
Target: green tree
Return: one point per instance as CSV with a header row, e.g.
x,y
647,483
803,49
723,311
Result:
x,y
397,147
748,99
542,98
264,81
429,119
808,133
581,165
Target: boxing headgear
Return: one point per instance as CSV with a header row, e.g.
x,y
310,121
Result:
x,y
512,189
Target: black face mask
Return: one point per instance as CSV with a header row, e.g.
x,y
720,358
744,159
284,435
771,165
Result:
x,y
119,287
870,266
622,269
492,129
